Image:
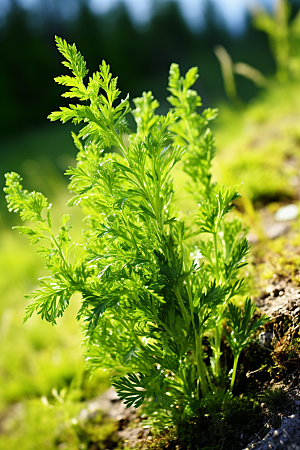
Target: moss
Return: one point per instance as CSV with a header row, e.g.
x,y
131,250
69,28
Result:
x,y
276,400
229,429
99,433
267,147
286,354
240,419
278,258
276,403
165,439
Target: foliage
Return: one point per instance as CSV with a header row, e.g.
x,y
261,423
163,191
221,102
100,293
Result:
x,y
147,301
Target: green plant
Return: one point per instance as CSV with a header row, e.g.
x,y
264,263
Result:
x,y
147,300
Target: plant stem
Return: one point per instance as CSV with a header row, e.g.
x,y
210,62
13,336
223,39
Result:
x,y
200,365
182,307
235,362
129,230
217,334
57,246
216,257
199,358
217,352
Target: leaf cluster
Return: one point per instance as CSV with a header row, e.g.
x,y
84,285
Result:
x,y
148,300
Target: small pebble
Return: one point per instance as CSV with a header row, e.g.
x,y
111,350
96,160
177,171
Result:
x,y
276,230
265,338
288,212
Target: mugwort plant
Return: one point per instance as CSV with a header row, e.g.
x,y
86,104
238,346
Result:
x,y
154,283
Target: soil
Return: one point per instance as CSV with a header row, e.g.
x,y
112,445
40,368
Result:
x,y
281,301
130,429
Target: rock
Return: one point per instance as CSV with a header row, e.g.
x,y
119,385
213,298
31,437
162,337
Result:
x,y
252,238
280,299
265,339
283,300
287,437
288,212
112,407
276,230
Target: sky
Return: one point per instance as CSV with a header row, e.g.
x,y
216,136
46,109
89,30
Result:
x,y
233,12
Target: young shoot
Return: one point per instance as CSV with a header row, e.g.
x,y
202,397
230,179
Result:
x,y
153,282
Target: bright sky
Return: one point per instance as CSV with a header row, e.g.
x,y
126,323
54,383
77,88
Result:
x,y
232,11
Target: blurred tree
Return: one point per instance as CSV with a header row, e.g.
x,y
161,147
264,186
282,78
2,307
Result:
x,y
26,62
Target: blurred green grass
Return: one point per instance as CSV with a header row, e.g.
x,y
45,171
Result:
x,y
37,359
259,146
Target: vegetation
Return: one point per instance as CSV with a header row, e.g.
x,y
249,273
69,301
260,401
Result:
x,y
147,300
46,378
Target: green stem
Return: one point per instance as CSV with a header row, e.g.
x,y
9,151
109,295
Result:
x,y
216,256
201,366
129,230
57,246
217,334
185,265
217,352
142,183
234,369
182,307
212,387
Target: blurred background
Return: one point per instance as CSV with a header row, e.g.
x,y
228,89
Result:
x,y
248,54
